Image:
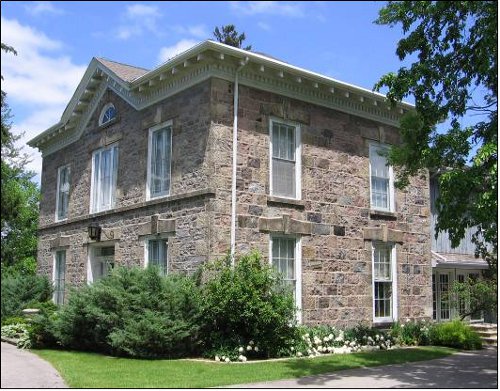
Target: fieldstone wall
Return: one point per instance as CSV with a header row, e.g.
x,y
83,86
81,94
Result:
x,y
187,211
334,209
333,217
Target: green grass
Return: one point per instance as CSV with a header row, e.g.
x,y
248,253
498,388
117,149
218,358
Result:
x,y
90,370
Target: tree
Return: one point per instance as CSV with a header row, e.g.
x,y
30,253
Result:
x,y
230,36
473,296
453,78
20,196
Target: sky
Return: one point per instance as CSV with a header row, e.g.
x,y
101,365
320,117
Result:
x,y
56,41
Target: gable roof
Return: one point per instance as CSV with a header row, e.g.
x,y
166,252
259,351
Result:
x,y
142,88
123,71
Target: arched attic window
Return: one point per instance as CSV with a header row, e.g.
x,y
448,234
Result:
x,y
108,114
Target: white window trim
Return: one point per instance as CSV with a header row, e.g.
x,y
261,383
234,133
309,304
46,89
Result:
x,y
90,256
298,269
392,203
146,250
54,266
103,111
92,179
153,129
394,270
298,157
57,219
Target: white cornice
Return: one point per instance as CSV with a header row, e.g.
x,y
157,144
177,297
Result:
x,y
201,62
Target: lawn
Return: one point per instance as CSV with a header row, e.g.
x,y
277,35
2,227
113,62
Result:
x,y
89,370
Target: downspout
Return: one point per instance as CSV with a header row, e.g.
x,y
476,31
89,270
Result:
x,y
235,151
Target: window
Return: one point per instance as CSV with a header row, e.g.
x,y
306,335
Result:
x,y
104,173
444,302
101,262
108,114
381,180
384,283
157,255
285,160
159,160
62,197
285,258
59,276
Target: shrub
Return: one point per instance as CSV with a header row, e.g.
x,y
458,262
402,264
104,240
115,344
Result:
x,y
22,291
18,332
454,334
247,302
132,312
411,333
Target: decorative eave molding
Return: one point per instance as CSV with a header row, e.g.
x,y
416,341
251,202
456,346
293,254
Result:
x,y
203,61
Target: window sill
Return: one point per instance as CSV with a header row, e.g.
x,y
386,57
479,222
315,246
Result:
x,y
287,202
109,123
382,323
383,214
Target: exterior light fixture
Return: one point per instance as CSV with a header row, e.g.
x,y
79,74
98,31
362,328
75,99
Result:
x,y
94,231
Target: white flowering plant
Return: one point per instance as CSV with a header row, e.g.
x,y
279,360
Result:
x,y
241,352
318,340
411,333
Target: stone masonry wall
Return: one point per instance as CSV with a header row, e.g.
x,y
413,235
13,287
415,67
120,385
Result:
x,y
335,205
187,211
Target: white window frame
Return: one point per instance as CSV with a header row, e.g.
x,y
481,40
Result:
x,y
58,189
394,308
55,272
103,111
298,157
147,239
373,149
298,268
114,174
91,257
166,124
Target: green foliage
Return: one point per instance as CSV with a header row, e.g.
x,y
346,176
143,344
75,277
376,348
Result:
x,y
454,77
23,291
247,302
132,312
455,334
229,36
473,296
411,333
19,206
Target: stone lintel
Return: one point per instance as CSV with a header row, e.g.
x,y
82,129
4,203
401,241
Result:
x,y
383,234
157,226
60,241
111,234
285,225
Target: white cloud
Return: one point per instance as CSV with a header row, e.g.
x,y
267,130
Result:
x,y
264,26
138,19
168,52
196,31
39,81
42,7
282,8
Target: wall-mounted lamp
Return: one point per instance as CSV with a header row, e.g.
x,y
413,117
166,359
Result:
x,y
94,231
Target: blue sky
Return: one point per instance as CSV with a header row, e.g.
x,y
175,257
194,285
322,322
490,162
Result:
x,y
56,41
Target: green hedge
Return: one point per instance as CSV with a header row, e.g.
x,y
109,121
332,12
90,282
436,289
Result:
x,y
455,334
20,291
132,312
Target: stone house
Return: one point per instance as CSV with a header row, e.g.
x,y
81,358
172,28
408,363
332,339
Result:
x,y
157,167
